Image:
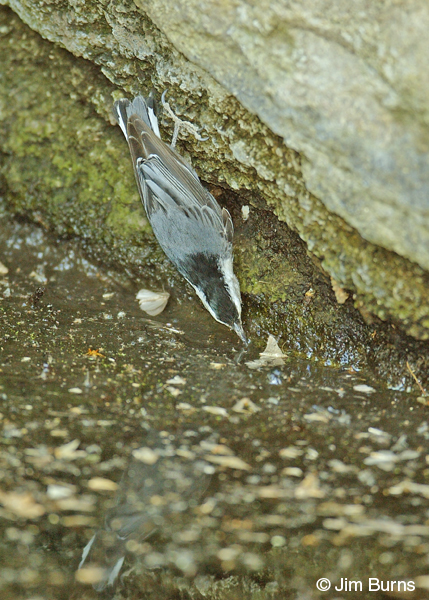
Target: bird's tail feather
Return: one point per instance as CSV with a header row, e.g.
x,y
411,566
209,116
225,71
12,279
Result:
x,y
144,108
109,558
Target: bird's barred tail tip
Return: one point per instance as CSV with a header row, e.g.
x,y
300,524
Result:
x,y
120,114
145,109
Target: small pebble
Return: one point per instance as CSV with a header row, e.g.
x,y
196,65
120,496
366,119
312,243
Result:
x,y
363,388
146,455
102,484
245,210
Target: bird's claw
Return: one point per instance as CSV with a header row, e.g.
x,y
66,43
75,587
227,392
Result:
x,y
180,124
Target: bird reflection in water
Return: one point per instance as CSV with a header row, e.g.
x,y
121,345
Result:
x,y
164,483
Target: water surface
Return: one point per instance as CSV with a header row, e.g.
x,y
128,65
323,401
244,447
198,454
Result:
x,y
223,480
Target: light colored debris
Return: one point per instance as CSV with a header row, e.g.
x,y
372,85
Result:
x,y
291,452
422,581
310,540
378,432
309,488
57,491
361,387
146,455
277,541
257,537
409,487
272,356
39,457
216,410
401,443
21,505
185,453
102,484
173,391
273,400
380,436
69,451
309,295
184,406
311,454
245,211
416,530
216,448
76,504
59,433
176,380
321,417
335,509
340,294
226,554
217,366
272,520
335,524
245,405
386,459
408,454
75,390
252,561
339,467
90,575
3,269
231,462
366,476
272,491
153,303
221,449
372,526
39,277
292,472
78,410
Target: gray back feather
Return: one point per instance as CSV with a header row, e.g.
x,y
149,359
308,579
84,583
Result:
x,y
181,211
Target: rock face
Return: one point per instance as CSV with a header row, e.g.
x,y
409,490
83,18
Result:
x,y
319,107
343,85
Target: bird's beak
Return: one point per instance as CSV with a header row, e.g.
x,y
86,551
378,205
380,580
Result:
x,y
238,328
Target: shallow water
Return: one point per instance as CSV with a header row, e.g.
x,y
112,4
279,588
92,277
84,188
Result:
x,y
225,480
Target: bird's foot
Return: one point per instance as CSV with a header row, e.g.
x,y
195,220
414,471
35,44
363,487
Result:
x,y
179,124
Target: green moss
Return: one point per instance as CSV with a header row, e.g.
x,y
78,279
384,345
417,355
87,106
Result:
x,y
61,162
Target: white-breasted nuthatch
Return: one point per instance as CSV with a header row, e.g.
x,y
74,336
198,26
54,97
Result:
x,y
193,230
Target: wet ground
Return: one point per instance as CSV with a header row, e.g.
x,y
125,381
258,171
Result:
x,y
215,476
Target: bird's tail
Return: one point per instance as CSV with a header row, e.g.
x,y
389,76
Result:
x,y
144,108
106,552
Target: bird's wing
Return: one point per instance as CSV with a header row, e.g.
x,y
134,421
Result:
x,y
163,190
166,181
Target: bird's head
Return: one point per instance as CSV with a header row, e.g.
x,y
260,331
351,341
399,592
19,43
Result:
x,y
215,283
